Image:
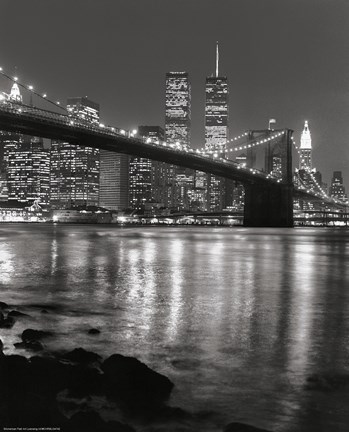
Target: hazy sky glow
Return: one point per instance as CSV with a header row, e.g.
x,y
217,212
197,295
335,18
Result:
x,y
286,59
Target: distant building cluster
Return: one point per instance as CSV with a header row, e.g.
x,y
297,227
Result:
x,y
311,178
60,175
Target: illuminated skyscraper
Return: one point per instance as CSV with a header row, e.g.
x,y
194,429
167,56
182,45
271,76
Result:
x,y
24,164
147,182
216,111
75,169
216,131
337,189
178,109
305,148
178,133
28,171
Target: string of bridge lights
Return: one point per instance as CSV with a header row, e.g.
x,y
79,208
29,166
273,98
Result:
x,y
238,148
201,151
30,88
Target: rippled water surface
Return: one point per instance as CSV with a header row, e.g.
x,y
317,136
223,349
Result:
x,y
238,318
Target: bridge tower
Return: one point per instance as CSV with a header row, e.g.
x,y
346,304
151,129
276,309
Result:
x,y
271,205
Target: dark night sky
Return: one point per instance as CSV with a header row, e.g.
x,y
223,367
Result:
x,y
287,59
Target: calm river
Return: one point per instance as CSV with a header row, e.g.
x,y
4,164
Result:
x,y
237,318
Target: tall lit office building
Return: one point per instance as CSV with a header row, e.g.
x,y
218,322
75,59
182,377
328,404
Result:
x,y
8,141
216,131
24,164
147,178
28,171
337,189
178,109
305,148
178,133
74,168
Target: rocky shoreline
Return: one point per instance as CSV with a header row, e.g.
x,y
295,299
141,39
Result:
x,y
77,390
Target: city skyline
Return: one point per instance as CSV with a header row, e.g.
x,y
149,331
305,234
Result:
x,y
299,75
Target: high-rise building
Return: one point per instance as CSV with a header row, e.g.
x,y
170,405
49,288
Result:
x,y
113,180
216,131
8,141
74,168
178,134
147,181
28,171
216,111
337,189
24,164
305,148
178,109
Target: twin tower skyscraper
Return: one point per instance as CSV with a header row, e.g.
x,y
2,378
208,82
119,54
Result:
x,y
178,109
178,122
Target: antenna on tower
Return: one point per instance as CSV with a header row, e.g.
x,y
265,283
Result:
x,y
217,58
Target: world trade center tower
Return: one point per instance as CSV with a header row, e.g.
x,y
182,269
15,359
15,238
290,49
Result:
x,y
216,132
177,134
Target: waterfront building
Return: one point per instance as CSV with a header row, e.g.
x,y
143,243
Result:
x,y
28,171
74,168
305,148
177,132
113,180
24,164
149,179
337,189
140,171
216,131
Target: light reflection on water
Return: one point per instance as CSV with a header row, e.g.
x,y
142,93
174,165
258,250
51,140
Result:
x,y
237,318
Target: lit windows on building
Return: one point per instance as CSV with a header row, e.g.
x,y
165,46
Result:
x,y
74,168
305,148
148,179
140,182
178,109
216,114
337,189
28,172
177,132
216,131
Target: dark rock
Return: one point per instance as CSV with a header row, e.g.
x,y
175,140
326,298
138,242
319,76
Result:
x,y
13,376
3,305
7,322
30,335
90,421
84,381
79,355
241,427
94,331
15,313
115,426
133,383
30,346
44,311
31,411
48,376
164,413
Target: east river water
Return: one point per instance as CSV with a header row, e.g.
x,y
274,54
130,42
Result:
x,y
237,318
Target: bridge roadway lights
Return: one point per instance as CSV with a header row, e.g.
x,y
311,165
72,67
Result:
x,y
268,206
